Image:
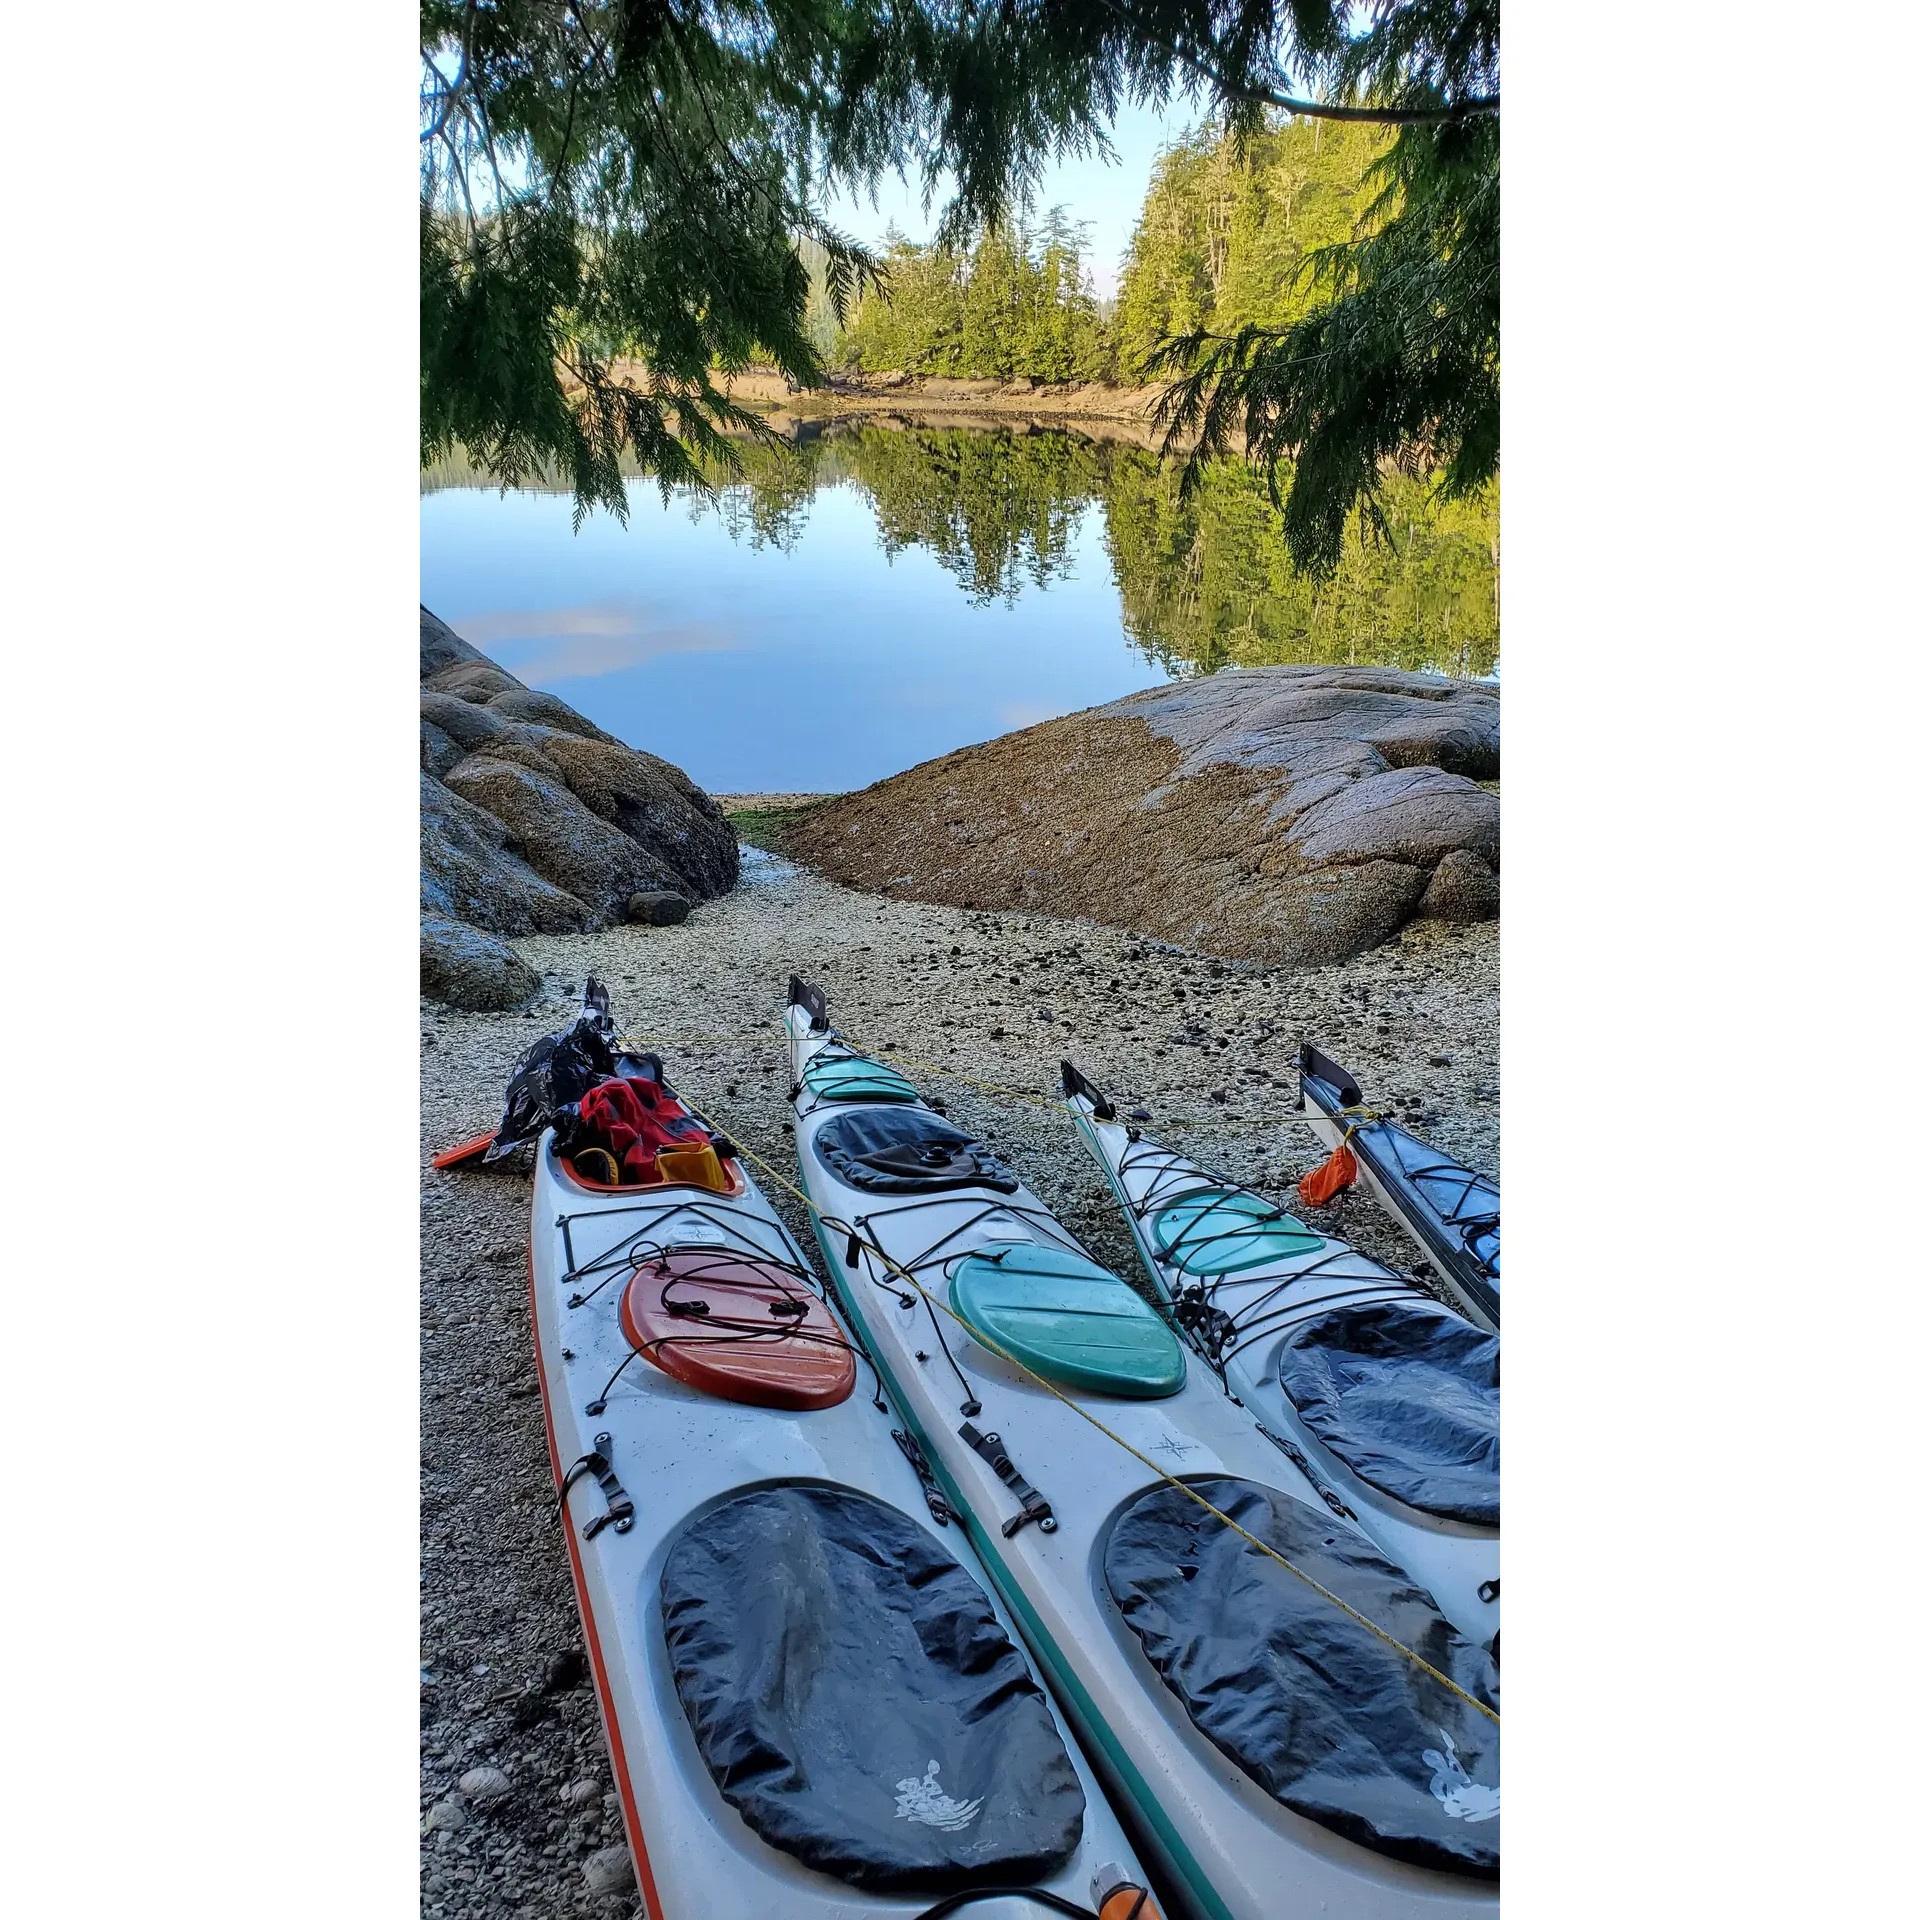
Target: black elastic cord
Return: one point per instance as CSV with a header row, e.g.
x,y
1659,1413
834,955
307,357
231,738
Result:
x,y
955,1901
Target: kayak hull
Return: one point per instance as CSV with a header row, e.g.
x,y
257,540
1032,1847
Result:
x,y
1217,1843
680,1452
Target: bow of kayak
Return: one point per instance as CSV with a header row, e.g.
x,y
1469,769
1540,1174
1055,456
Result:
x,y
1448,1208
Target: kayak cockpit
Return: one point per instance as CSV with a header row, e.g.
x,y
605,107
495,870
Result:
x,y
791,1613
907,1150
1409,1398
1310,1701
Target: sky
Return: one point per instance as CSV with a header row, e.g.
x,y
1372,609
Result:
x,y
1106,196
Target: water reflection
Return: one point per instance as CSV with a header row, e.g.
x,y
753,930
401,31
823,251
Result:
x,y
876,596
1203,582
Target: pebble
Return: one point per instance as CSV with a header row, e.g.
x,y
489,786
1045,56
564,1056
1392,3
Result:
x,y
581,1793
484,1784
608,1871
446,1816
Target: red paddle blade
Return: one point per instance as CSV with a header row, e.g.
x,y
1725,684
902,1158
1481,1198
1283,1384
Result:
x,y
465,1151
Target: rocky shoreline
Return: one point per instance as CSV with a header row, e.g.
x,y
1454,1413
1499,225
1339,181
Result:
x,y
994,996
534,820
1291,814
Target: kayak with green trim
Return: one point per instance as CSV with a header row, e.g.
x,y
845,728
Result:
x,y
1284,1717
1386,1398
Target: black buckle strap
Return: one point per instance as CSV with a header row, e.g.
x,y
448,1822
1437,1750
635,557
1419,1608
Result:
x,y
1489,1591
619,1513
1033,1503
936,1500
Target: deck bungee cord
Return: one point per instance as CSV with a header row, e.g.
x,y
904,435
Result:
x,y
1195,1304
850,1232
711,1329
781,1263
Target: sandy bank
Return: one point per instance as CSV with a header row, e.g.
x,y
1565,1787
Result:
x,y
998,997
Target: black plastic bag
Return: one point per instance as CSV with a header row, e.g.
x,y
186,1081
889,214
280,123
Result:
x,y
549,1079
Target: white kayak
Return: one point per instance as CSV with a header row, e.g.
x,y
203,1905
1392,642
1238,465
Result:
x,y
813,1703
1277,1751
1385,1398
1451,1210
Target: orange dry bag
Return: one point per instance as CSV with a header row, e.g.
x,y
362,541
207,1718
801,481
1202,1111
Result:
x,y
1336,1176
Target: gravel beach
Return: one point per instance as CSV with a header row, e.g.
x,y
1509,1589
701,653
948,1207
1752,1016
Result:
x,y
518,1817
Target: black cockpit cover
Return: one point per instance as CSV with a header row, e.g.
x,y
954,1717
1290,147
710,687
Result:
x,y
853,1695
1321,1713
905,1150
1409,1397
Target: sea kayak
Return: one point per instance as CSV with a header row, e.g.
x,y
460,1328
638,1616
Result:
x,y
1386,1399
813,1703
1452,1211
1285,1718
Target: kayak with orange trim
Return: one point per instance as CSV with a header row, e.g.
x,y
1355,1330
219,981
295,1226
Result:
x,y
814,1702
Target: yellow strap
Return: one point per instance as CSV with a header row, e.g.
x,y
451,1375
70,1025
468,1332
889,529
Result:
x,y
1199,1499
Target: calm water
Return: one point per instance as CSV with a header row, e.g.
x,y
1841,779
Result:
x,y
880,596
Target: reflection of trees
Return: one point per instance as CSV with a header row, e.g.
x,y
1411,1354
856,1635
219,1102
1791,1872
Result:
x,y
1203,583
1207,583
997,508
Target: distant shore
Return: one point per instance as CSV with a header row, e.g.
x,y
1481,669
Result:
x,y
918,393
1097,408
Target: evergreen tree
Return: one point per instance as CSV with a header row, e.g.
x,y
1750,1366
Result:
x,y
614,192
1396,358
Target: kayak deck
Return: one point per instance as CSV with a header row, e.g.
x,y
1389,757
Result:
x,y
672,1622
1042,1472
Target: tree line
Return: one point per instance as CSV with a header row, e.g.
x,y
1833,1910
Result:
x,y
1225,239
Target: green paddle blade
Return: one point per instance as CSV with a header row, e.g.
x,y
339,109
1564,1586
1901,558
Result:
x,y
1216,1230
842,1077
1072,1322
